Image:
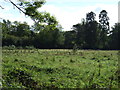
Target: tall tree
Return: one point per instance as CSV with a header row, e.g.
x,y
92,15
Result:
x,y
90,17
91,32
104,26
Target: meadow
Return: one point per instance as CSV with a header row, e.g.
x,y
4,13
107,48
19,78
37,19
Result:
x,y
60,68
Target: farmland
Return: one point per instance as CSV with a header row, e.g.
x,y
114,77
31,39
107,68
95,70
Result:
x,y
60,69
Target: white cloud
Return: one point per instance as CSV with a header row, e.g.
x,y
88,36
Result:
x,y
68,16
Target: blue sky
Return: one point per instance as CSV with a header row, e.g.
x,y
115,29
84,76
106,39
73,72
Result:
x,y
67,12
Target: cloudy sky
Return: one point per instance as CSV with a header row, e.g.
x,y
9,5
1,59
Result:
x,y
67,12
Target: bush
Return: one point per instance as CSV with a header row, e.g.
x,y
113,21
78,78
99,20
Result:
x,y
19,47
29,47
10,47
5,47
75,48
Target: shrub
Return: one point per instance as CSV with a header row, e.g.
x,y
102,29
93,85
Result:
x,y
12,47
75,48
29,47
5,47
19,47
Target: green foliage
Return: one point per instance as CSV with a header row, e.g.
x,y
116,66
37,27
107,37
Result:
x,y
10,47
93,35
115,36
75,48
29,47
104,27
91,31
30,7
70,37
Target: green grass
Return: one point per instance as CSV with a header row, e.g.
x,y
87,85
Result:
x,y
60,69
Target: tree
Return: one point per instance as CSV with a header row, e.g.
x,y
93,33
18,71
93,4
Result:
x,y
29,8
114,38
104,26
6,27
26,7
90,17
80,34
91,31
45,26
20,29
87,32
70,37
49,38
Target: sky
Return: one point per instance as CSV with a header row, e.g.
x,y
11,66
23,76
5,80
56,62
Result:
x,y
67,12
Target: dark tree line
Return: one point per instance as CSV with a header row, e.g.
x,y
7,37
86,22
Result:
x,y
86,35
47,33
21,34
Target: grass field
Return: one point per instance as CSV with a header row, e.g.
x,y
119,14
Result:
x,y
60,69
